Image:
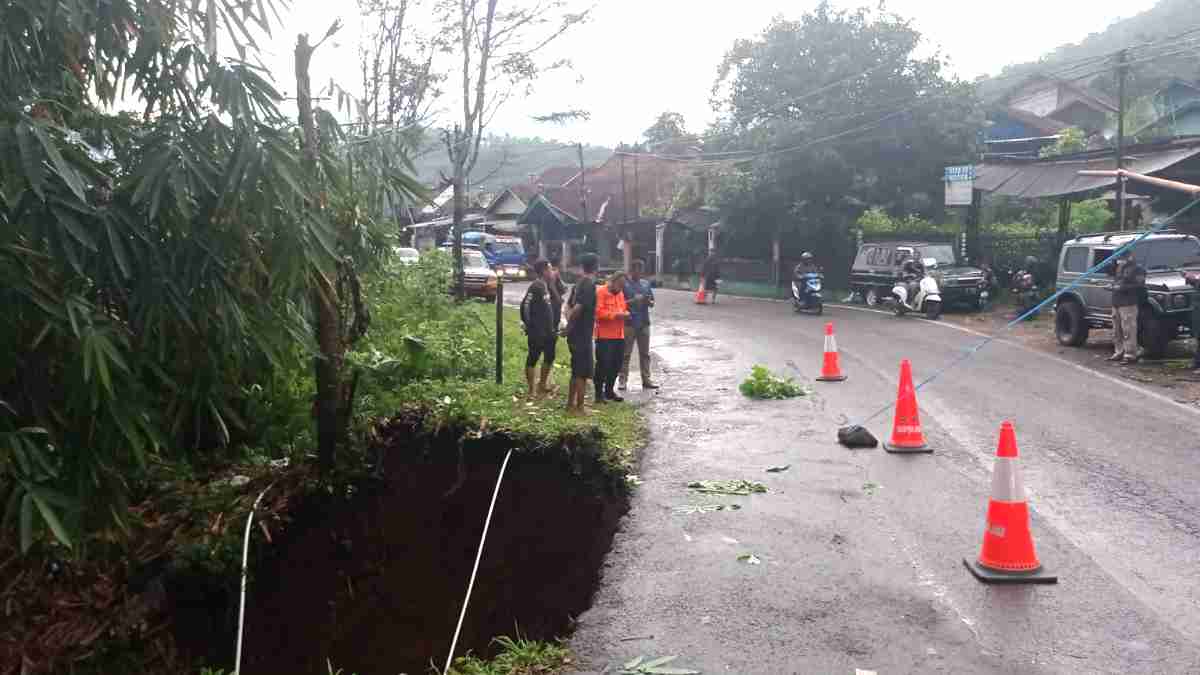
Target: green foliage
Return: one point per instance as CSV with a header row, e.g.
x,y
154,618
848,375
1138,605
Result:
x,y
876,221
849,116
517,657
155,268
1070,140
763,385
668,128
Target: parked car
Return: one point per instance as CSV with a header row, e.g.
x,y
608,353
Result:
x,y
1166,309
877,265
506,255
479,279
407,256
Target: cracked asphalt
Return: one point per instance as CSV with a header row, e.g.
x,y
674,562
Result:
x,y
861,551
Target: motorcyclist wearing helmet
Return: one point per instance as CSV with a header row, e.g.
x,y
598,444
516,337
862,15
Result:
x,y
807,264
1024,286
912,270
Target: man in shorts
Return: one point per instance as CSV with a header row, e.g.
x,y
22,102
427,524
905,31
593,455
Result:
x,y
581,320
541,327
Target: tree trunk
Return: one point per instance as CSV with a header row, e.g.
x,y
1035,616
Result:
x,y
460,208
327,365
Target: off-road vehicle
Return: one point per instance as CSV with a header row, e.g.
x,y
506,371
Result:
x,y
877,266
1165,309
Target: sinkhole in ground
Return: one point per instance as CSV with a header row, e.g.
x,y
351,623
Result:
x,y
374,587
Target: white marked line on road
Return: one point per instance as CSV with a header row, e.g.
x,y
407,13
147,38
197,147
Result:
x,y
1083,369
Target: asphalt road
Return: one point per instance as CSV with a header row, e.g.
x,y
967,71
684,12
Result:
x,y
861,551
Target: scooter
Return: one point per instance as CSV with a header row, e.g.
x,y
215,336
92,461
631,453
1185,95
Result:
x,y
927,300
806,293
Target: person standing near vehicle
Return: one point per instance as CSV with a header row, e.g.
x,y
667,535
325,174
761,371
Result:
x,y
581,321
1128,286
1193,280
712,276
639,296
611,312
541,327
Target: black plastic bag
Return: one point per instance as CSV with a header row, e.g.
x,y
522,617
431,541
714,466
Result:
x,y
856,437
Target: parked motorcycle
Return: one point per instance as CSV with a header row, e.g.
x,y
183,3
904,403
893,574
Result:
x,y
928,297
806,293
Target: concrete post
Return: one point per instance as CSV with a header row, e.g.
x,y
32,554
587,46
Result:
x,y
660,235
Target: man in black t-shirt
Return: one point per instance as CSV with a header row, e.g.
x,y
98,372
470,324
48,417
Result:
x,y
1129,283
581,320
541,327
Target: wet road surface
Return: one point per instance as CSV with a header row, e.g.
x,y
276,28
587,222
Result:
x,y
861,551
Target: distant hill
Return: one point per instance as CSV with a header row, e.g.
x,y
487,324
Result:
x,y
506,160
1167,18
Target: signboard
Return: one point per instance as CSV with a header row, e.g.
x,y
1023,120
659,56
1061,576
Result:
x,y
960,182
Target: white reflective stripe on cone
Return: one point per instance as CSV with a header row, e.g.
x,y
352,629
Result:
x,y
1007,484
830,343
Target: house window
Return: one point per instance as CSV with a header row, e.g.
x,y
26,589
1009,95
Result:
x,y
1077,259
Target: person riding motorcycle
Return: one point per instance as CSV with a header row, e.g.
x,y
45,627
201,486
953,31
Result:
x,y
911,273
807,264
1024,285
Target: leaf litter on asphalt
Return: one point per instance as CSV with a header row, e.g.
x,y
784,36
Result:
x,y
779,469
689,509
749,559
728,487
640,666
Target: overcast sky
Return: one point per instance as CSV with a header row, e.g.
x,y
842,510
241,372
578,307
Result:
x,y
637,58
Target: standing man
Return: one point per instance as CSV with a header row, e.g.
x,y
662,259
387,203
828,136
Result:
x,y
541,326
581,319
1193,280
639,296
611,312
1128,286
711,272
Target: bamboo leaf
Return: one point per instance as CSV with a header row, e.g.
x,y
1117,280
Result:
x,y
118,249
64,170
26,529
31,158
51,519
75,228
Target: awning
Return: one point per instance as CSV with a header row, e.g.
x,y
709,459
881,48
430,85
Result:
x,y
1042,178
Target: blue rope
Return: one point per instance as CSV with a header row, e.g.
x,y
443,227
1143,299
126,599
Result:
x,y
972,351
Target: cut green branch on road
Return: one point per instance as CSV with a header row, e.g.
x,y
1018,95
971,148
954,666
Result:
x,y
762,384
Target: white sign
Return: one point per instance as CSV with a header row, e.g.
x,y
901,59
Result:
x,y
960,183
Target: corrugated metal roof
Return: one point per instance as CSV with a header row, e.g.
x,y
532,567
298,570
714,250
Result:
x,y
1043,178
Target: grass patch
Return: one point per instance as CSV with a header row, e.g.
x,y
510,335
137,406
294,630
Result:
x,y
472,401
519,657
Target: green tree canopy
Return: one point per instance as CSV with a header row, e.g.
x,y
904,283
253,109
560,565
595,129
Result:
x,y
836,113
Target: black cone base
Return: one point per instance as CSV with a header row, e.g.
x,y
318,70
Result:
x,y
987,576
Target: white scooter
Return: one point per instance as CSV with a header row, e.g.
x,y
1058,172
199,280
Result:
x,y
928,299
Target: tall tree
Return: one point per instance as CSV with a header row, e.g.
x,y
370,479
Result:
x,y
668,128
399,85
499,48
835,112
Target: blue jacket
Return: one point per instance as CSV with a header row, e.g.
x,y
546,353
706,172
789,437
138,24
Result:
x,y
639,315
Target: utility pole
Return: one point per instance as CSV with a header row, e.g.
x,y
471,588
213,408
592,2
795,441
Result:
x,y
1122,69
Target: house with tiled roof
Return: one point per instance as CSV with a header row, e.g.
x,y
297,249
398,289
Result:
x,y
1036,111
616,208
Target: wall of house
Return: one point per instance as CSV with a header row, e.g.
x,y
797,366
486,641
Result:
x,y
509,206
1083,116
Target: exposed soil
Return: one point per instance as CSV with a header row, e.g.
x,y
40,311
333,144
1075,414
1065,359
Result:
x,y
376,587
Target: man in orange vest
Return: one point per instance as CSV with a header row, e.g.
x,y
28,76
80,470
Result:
x,y
611,312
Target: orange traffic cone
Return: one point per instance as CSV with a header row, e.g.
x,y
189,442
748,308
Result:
x,y
907,436
1008,555
700,294
830,370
